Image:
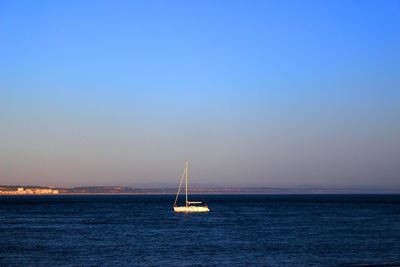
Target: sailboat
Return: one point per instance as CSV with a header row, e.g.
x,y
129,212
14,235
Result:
x,y
190,206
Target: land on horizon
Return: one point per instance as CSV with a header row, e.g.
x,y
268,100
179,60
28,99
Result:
x,y
46,190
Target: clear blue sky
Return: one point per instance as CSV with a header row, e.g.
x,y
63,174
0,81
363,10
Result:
x,y
253,93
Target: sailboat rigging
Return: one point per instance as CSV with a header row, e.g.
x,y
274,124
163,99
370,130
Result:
x,y
190,206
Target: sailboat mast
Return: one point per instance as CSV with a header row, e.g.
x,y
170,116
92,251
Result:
x,y
186,182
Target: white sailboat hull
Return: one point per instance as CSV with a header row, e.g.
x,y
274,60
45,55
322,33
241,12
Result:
x,y
191,209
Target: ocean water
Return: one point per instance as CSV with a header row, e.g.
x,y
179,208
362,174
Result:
x,y
240,230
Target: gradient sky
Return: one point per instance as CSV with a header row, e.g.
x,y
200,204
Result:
x,y
252,93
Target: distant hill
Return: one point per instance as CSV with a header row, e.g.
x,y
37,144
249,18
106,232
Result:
x,y
13,189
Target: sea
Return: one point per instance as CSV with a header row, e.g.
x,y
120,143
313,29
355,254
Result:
x,y
240,230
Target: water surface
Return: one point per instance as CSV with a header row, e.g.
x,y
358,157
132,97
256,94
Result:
x,y
240,230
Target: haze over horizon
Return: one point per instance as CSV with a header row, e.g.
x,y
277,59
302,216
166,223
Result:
x,y
267,93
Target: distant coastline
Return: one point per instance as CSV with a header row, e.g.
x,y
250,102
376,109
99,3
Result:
x,y
96,190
